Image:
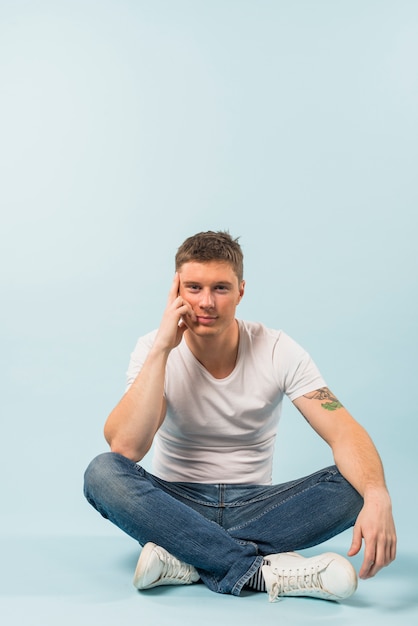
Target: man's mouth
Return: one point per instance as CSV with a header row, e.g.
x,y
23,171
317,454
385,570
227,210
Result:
x,y
206,319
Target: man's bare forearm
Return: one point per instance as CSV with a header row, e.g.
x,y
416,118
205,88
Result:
x,y
358,460
131,426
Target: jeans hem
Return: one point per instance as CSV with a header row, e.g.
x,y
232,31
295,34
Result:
x,y
237,588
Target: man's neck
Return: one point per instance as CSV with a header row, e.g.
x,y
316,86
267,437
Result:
x,y
217,354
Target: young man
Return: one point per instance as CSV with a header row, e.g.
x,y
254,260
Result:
x,y
207,390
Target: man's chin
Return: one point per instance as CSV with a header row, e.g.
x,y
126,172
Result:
x,y
202,329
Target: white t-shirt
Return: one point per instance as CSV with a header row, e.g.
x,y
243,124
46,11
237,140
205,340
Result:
x,y
223,430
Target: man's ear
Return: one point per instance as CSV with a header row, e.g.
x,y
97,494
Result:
x,y
241,291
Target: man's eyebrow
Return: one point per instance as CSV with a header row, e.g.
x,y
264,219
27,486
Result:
x,y
225,283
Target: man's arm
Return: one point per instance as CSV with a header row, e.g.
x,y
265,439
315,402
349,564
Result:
x,y
131,426
358,461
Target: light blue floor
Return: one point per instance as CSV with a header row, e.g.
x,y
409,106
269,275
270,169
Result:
x,y
87,581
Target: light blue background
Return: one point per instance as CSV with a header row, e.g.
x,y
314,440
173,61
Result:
x,y
127,126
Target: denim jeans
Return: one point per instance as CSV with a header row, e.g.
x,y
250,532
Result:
x,y
222,530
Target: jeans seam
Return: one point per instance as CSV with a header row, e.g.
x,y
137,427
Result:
x,y
241,526
171,488
332,471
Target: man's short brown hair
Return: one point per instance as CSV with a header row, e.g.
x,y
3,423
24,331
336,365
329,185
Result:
x,y
212,246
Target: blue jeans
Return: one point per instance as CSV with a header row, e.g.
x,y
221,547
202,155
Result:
x,y
222,530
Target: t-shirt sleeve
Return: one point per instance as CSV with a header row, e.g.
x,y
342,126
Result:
x,y
297,373
138,356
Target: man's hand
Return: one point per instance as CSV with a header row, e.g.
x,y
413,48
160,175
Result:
x,y
174,320
376,526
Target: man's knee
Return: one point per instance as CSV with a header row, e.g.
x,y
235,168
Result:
x,y
100,474
353,500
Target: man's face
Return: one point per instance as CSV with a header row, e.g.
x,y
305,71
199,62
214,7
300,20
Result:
x,y
213,291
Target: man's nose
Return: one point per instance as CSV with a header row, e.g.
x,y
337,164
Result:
x,y
207,300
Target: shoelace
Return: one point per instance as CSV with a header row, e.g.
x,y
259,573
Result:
x,y
297,580
173,568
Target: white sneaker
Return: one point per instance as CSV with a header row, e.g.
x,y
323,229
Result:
x,y
156,567
328,576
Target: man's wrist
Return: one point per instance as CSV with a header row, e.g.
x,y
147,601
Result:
x,y
376,492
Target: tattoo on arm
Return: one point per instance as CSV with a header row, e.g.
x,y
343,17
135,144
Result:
x,y
331,402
